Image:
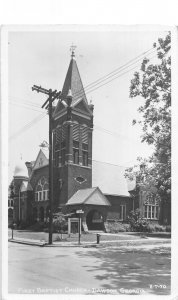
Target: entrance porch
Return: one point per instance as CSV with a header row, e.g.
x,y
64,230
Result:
x,y
94,206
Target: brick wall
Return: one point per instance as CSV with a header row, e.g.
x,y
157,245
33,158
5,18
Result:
x,y
114,211
66,175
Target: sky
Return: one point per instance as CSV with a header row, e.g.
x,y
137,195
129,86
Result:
x,y
42,57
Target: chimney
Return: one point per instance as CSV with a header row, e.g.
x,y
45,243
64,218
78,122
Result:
x,y
29,167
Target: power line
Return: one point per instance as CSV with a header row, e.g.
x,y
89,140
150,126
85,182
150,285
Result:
x,y
107,131
92,90
87,88
113,164
114,134
95,126
116,70
23,106
90,86
28,103
28,125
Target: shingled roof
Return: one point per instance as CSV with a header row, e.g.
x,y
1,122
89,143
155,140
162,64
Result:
x,y
109,178
73,83
89,196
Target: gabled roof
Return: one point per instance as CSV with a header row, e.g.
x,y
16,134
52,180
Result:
x,y
72,82
89,196
41,160
81,106
109,178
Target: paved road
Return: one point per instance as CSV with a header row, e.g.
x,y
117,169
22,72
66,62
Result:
x,y
89,271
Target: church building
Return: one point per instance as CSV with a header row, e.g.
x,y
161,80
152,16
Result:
x,y
99,189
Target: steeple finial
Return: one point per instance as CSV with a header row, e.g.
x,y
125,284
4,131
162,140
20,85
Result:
x,y
72,50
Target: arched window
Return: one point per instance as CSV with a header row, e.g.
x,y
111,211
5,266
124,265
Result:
x,y
42,190
151,206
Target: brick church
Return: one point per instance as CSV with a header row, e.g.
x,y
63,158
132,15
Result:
x,y
99,189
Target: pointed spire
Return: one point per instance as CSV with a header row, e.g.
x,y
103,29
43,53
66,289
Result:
x,y
72,85
73,81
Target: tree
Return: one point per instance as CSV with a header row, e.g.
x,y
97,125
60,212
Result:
x,y
153,84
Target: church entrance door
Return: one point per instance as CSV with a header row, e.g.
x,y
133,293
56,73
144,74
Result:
x,y
94,220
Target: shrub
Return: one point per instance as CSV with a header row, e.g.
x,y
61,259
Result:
x,y
59,223
139,224
23,225
115,227
151,227
168,228
159,228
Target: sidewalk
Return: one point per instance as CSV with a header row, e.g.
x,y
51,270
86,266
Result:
x,y
27,241
110,243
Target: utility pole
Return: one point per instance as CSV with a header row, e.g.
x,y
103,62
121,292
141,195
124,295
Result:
x,y
52,95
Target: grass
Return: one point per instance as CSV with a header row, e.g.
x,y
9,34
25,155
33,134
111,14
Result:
x,y
90,237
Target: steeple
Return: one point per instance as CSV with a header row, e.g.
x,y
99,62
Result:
x,y
73,126
73,82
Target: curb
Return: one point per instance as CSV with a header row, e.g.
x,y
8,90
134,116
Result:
x,y
92,245
27,242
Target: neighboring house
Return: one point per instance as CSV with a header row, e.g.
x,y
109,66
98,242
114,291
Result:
x,y
99,189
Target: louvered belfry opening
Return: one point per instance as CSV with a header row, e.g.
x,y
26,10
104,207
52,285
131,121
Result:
x,y
80,145
76,142
84,130
60,145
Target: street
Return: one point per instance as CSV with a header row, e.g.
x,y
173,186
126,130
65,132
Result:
x,y
72,270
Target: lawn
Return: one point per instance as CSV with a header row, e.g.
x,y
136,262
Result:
x,y
85,237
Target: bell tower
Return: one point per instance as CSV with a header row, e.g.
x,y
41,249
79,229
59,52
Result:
x,y
72,138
